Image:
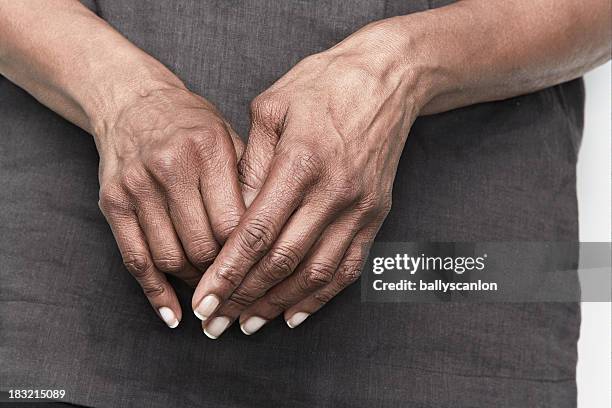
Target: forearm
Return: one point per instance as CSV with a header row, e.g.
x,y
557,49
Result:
x,y
74,62
484,50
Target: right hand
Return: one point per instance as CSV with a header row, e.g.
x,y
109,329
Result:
x,y
169,189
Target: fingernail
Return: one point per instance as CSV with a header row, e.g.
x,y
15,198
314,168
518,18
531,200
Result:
x,y
216,327
168,316
206,307
252,324
297,319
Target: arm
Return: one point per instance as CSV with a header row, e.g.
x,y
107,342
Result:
x,y
74,62
327,137
163,150
479,51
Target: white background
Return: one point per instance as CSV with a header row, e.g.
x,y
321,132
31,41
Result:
x,y
594,180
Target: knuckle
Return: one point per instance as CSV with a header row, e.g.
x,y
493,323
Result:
x,y
345,191
306,159
137,264
229,275
265,108
203,253
164,165
170,261
205,141
375,206
283,260
304,163
215,127
368,204
349,273
111,198
135,180
264,276
226,225
259,105
318,274
256,237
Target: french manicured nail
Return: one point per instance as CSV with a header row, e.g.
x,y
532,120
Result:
x,y
297,319
252,324
216,327
168,316
206,307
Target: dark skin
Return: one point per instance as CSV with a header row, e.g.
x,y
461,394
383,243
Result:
x,y
325,141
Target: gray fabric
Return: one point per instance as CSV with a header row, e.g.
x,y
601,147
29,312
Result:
x,y
72,318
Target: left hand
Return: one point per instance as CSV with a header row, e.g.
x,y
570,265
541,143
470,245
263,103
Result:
x,y
318,171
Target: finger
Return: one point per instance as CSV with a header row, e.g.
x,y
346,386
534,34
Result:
x,y
267,119
315,272
166,249
239,145
219,185
258,230
137,259
254,165
348,272
297,237
192,227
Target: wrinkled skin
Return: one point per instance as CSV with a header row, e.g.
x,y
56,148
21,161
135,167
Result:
x,y
318,171
169,188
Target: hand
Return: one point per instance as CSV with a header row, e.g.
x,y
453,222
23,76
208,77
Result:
x,y
318,171
169,189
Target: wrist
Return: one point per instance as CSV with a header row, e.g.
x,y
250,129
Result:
x,y
75,63
404,48
118,90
